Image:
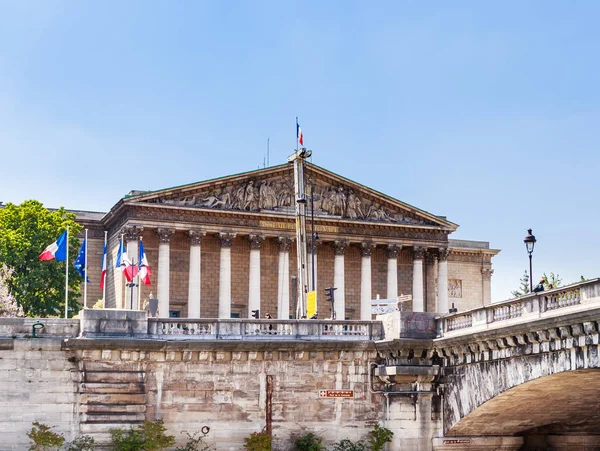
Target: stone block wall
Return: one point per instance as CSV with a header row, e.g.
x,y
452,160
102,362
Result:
x,y
39,382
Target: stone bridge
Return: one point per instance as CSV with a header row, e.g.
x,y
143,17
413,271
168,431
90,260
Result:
x,y
521,374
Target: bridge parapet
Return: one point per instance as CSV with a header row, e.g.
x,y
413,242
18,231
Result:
x,y
557,302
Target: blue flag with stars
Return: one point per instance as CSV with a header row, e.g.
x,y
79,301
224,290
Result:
x,y
80,261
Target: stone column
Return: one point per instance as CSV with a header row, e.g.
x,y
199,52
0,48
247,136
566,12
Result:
x,y
443,280
194,278
366,248
338,279
254,241
431,272
164,271
225,240
392,251
132,237
418,304
283,278
486,275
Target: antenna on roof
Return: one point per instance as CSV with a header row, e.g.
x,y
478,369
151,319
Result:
x,y
268,152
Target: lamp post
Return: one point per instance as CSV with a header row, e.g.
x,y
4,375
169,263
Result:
x,y
529,244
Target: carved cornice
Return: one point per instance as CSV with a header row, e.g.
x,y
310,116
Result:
x,y
284,243
339,247
132,233
196,236
226,239
418,252
487,273
229,218
366,248
255,241
392,250
164,235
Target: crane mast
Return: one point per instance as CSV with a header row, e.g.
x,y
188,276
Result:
x,y
298,158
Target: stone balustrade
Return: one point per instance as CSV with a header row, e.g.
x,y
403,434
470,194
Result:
x,y
113,323
546,304
263,329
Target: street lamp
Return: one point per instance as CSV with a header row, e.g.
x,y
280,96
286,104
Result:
x,y
529,244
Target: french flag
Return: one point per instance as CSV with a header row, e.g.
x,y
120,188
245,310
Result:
x,y
57,250
124,263
299,133
103,276
145,271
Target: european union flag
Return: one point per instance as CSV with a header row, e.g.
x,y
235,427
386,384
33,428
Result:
x,y
80,260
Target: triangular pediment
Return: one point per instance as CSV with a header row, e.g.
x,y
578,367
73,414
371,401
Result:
x,y
271,190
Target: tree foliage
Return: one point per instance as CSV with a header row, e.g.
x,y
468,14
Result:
x,y
553,280
38,286
43,439
8,304
523,287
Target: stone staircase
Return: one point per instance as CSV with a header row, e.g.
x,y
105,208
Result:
x,y
111,398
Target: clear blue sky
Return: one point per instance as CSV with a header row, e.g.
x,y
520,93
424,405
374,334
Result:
x,y
486,113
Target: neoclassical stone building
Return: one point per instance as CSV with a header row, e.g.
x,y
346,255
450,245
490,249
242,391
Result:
x,y
224,247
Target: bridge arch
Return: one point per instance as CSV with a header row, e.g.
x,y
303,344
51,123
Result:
x,y
567,401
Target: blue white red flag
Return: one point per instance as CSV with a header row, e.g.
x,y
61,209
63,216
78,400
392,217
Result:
x,y
103,275
57,250
124,263
145,271
299,134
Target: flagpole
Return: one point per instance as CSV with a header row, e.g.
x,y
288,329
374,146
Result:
x,y
67,277
139,299
124,293
85,270
105,264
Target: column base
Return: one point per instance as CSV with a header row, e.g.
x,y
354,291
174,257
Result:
x,y
496,443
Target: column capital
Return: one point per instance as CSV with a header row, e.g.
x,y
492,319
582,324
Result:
x,y
392,250
418,252
196,237
431,256
309,244
255,241
132,233
366,248
284,243
164,235
339,247
443,253
487,273
226,239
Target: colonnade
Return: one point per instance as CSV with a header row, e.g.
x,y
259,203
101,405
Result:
x,y
283,302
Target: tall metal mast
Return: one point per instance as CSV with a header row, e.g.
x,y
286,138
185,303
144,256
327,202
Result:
x,y
298,158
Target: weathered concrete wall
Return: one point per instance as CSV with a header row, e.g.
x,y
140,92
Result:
x,y
39,382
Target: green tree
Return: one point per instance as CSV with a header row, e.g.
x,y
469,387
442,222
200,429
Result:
x,y
8,304
523,288
38,286
553,280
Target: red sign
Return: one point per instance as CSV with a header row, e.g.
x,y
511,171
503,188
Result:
x,y
336,393
456,441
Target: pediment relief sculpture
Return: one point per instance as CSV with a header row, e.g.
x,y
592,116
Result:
x,y
277,195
